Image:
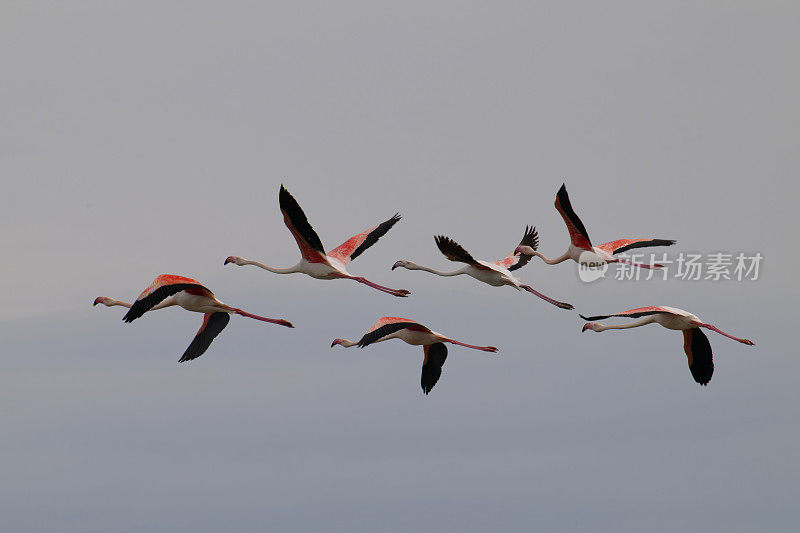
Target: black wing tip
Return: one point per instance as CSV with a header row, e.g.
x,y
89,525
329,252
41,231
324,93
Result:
x,y
702,376
444,240
130,317
597,317
432,369
285,196
645,244
379,231
563,196
190,354
702,367
531,236
663,242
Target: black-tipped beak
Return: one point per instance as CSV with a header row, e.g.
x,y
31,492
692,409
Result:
x,y
333,344
228,260
97,300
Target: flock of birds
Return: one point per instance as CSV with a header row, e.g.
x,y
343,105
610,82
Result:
x,y
168,290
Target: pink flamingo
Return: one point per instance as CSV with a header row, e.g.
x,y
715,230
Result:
x,y
497,273
315,262
416,334
167,290
695,342
580,243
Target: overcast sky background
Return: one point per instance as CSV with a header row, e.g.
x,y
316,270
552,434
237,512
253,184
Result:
x,y
152,137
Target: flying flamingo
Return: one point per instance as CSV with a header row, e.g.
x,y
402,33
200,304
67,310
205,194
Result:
x,y
411,332
497,273
167,290
695,342
315,262
580,243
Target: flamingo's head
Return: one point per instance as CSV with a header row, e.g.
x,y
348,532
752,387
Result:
x,y
402,263
524,250
337,341
234,259
105,300
592,326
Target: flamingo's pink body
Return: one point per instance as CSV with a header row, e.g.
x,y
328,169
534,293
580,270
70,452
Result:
x,y
314,261
169,290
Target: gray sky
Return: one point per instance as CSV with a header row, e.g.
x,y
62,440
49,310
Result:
x,y
148,138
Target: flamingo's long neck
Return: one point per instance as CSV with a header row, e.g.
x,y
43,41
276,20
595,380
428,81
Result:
x,y
111,302
555,261
120,303
482,348
414,266
161,305
347,343
290,270
635,324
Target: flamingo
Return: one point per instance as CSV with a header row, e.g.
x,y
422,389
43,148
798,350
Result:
x,y
695,342
315,262
580,243
496,274
390,327
167,290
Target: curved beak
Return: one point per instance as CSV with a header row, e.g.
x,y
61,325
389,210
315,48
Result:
x,y
98,300
397,264
585,327
230,259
